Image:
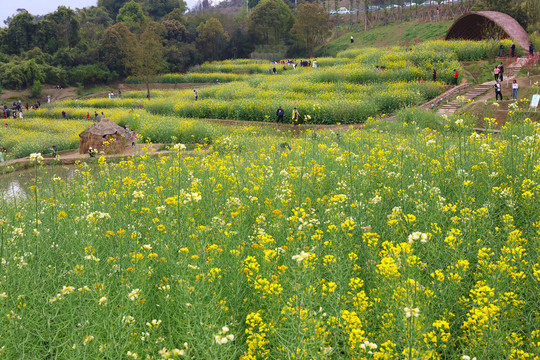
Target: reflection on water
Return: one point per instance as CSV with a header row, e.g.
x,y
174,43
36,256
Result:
x,y
12,191
15,186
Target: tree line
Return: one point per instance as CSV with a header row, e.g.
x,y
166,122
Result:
x,y
117,38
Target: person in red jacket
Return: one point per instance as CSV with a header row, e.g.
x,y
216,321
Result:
x,y
456,76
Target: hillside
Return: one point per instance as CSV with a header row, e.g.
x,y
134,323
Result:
x,y
385,36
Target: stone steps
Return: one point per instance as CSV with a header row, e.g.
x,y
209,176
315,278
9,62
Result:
x,y
511,71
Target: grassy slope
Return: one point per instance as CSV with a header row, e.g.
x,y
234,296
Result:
x,y
383,36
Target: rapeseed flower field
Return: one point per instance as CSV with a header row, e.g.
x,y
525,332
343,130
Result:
x,y
412,240
356,244
344,89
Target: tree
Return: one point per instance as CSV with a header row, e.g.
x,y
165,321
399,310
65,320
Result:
x,y
66,26
511,7
116,45
36,89
270,21
311,26
175,31
212,39
45,35
159,8
94,20
20,33
9,18
132,15
176,14
181,56
112,6
366,13
252,3
146,58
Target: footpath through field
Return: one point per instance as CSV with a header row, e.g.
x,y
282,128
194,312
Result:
x,y
71,156
510,74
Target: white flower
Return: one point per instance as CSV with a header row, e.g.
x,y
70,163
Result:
x,y
459,122
134,294
417,235
138,194
36,157
300,257
376,199
411,312
179,147
88,340
128,319
102,301
67,290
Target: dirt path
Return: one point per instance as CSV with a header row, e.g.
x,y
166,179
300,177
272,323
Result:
x,y
280,126
71,156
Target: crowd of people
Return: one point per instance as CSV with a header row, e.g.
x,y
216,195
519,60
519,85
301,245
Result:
x,y
16,109
292,63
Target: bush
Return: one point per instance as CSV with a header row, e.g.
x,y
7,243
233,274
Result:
x,y
89,74
36,89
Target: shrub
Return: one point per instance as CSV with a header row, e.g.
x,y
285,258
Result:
x,y
36,89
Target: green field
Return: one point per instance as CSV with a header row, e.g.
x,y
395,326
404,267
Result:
x,y
386,36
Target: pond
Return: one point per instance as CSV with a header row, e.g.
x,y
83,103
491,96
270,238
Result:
x,y
15,186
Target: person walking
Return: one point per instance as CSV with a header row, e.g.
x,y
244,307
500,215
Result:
x,y
501,50
513,50
132,137
515,87
531,49
434,75
295,117
87,116
496,73
279,114
352,39
456,76
501,71
498,91
196,94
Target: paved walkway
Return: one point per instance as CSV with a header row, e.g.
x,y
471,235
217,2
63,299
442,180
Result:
x,y
509,74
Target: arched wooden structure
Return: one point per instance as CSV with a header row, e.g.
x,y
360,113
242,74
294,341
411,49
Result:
x,y
480,25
